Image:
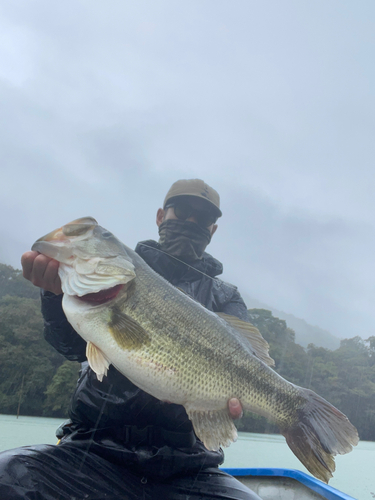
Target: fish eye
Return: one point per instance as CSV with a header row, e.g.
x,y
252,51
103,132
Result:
x,y
106,234
75,229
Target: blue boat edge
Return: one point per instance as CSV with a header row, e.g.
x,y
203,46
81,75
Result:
x,y
310,482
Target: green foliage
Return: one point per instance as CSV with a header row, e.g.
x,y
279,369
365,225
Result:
x,y
345,377
26,360
13,283
290,358
351,386
60,390
29,367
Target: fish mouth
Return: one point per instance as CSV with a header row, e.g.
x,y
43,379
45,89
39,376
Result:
x,y
56,244
77,227
103,296
54,236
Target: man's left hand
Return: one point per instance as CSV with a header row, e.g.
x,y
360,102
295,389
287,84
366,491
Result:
x,y
235,408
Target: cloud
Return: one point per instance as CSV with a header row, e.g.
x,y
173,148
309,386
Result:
x,y
102,108
315,268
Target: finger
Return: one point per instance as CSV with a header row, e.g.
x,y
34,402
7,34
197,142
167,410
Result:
x,y
27,262
235,408
51,277
39,269
45,274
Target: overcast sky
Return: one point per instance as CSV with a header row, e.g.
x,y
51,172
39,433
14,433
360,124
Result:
x,y
104,104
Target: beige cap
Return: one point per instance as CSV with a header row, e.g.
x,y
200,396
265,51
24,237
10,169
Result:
x,y
197,188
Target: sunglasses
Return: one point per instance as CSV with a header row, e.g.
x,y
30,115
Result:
x,y
183,210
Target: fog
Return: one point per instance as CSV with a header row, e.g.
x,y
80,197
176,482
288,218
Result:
x,y
105,105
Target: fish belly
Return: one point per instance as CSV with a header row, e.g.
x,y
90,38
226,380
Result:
x,y
166,374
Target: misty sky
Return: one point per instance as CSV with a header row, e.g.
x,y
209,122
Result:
x,y
104,104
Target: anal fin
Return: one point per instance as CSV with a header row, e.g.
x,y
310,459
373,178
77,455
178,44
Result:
x,y
97,361
214,428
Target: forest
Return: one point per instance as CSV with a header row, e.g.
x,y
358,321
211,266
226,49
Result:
x,y
35,380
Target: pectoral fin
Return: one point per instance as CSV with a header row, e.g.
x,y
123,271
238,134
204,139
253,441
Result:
x,y
127,333
214,428
253,335
97,361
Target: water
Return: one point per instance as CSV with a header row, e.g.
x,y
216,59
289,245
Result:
x,y
354,474
27,430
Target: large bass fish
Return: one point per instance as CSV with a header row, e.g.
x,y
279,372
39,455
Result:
x,y
173,348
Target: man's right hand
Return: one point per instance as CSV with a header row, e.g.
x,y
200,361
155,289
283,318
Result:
x,y
42,271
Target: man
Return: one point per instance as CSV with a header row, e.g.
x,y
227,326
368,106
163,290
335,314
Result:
x,y
121,442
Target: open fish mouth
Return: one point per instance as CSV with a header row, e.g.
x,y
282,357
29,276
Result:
x,y
103,296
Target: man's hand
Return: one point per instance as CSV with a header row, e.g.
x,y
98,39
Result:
x,y
42,271
235,408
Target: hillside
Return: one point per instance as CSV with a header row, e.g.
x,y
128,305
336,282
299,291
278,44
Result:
x,y
305,333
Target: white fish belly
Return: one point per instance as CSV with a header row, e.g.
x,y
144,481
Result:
x,y
137,365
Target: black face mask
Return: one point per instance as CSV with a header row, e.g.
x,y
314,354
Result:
x,y
183,239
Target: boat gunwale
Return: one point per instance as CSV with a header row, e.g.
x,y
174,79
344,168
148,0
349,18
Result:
x,y
312,483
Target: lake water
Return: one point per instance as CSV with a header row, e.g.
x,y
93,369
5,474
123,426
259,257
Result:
x,y
354,475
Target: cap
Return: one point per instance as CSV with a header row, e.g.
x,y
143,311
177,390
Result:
x,y
197,188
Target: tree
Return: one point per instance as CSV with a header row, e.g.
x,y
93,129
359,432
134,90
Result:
x,y
32,373
13,283
345,377
60,390
24,355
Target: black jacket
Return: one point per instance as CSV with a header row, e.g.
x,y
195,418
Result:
x,y
109,414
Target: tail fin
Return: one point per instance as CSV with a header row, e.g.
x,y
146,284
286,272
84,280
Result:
x,y
320,432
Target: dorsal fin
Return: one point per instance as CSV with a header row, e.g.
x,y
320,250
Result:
x,y
253,335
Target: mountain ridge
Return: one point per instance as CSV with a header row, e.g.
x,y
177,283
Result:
x,y
305,333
